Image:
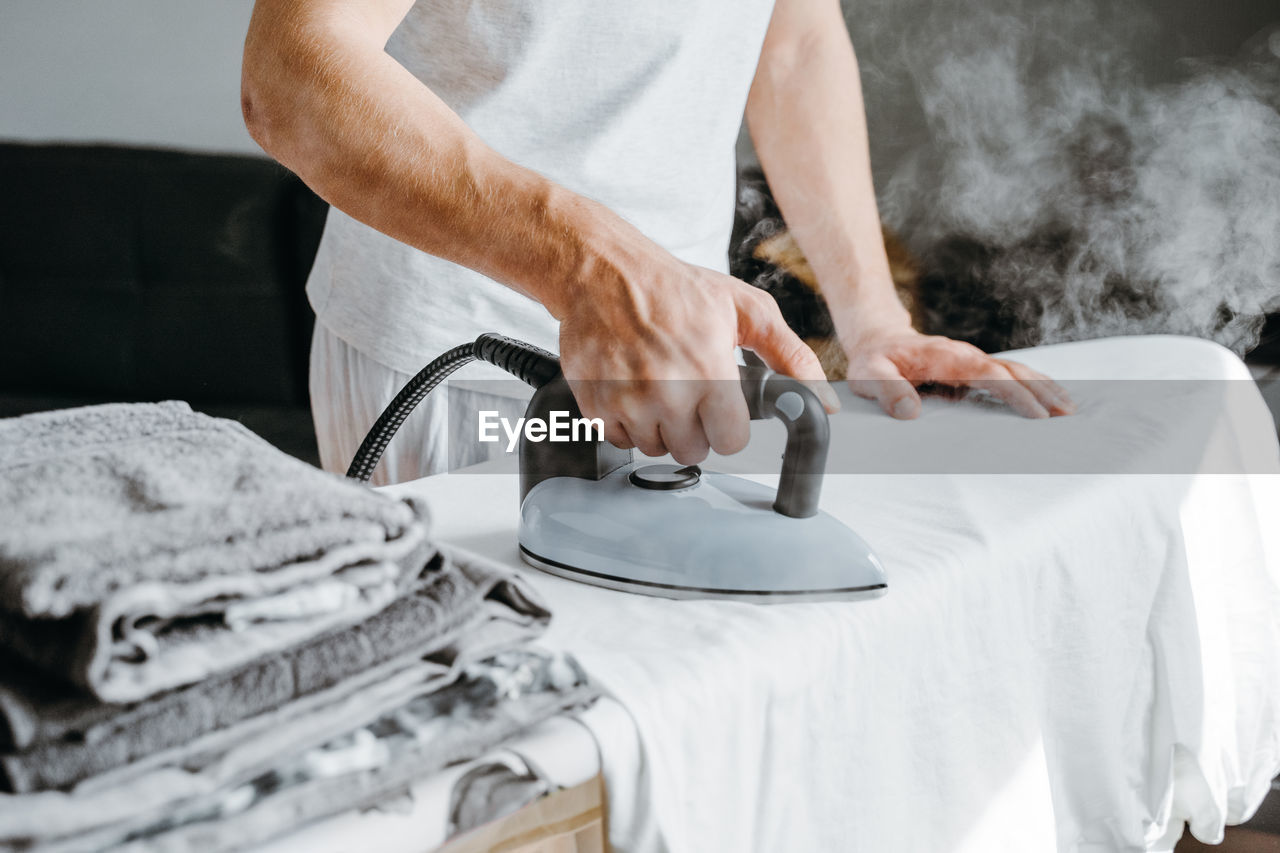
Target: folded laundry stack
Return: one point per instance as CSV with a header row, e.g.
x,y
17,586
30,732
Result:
x,y
204,642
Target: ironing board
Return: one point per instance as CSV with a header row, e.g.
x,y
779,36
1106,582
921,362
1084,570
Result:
x,y
1065,660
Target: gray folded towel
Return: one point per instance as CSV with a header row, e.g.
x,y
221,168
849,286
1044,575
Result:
x,y
296,760
64,737
146,546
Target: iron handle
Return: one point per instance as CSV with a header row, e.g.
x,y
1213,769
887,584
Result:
x,y
772,395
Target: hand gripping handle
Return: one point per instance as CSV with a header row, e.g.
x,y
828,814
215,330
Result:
x,y
768,395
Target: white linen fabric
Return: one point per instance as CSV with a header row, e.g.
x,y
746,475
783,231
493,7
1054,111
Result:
x,y
635,105
1070,662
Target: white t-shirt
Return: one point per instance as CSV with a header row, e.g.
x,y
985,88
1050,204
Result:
x,y
633,103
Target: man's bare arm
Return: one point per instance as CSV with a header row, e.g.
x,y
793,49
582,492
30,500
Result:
x,y
321,94
807,120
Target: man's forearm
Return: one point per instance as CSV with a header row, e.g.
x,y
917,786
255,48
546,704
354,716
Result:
x,y
322,96
806,118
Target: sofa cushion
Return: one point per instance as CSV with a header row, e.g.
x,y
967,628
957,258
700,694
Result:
x,y
148,274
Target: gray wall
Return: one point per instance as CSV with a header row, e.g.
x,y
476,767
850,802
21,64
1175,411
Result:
x,y
146,72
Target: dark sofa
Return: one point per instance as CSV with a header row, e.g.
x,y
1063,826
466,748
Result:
x,y
133,274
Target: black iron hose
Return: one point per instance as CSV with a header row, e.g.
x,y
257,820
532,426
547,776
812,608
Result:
x,y
524,361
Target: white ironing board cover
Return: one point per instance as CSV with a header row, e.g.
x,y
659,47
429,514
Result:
x,y
1072,662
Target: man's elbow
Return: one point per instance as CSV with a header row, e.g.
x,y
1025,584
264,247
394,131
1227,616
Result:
x,y
260,107
284,98
274,75
254,120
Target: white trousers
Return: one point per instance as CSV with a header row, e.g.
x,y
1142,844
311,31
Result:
x,y
349,390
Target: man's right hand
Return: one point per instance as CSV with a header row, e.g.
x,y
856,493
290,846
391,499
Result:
x,y
652,354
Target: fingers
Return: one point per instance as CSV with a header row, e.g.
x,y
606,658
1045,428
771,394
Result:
x,y
687,419
616,434
636,417
625,412
724,418
882,381
1050,394
762,329
1027,392
960,365
686,443
680,427
647,438
1000,383
666,417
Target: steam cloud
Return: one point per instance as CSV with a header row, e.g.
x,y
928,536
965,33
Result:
x,y
1054,193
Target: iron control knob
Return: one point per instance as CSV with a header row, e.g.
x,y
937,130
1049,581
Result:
x,y
665,478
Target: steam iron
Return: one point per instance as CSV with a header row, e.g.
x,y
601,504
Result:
x,y
591,512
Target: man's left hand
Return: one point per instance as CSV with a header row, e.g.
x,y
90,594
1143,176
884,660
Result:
x,y
888,364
